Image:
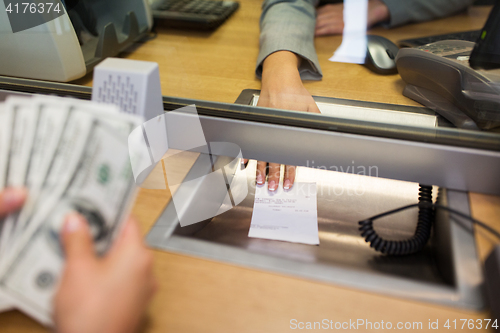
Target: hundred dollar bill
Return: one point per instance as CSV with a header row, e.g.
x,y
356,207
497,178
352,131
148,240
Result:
x,y
51,123
6,123
62,138
25,115
6,302
5,135
5,132
101,188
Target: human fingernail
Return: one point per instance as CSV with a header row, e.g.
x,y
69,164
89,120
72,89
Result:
x,y
13,196
260,181
272,185
73,223
287,184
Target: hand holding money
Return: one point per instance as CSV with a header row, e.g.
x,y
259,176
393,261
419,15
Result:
x,y
70,156
106,294
97,294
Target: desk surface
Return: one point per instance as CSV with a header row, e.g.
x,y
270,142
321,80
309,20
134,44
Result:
x,y
198,295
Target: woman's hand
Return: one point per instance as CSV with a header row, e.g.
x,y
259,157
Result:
x,y
108,294
282,88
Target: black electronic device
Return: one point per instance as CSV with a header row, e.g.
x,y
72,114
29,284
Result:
x,y
440,76
193,14
381,55
486,52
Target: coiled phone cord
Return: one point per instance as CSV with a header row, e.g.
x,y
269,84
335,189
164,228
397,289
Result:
x,y
422,233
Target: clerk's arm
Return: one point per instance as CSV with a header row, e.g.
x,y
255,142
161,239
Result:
x,y
389,13
288,25
286,57
402,12
282,88
287,54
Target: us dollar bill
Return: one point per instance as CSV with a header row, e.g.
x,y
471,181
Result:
x,y
5,136
100,187
5,133
51,124
53,166
25,121
74,137
5,302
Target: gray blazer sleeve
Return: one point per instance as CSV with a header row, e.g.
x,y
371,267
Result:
x,y
406,11
289,25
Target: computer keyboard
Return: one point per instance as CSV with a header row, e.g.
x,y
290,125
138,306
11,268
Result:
x,y
470,36
193,14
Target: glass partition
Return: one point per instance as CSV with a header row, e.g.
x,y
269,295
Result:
x,y
312,57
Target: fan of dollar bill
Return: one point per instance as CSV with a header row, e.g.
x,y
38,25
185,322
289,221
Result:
x,y
71,155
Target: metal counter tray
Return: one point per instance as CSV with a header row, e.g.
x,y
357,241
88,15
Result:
x,y
446,272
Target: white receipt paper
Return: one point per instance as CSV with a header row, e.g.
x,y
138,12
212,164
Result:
x,y
353,47
286,215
